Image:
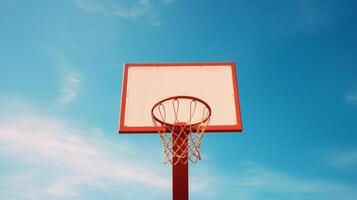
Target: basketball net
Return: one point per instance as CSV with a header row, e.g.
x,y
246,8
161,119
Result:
x,y
181,138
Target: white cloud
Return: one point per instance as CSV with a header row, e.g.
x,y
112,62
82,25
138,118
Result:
x,y
52,158
70,87
352,98
57,159
138,9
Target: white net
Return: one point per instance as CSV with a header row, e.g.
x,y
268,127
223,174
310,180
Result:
x,y
181,122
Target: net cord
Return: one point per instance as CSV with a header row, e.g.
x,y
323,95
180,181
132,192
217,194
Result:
x,y
187,148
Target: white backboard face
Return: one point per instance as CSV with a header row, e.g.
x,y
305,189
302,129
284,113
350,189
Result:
x,y
146,84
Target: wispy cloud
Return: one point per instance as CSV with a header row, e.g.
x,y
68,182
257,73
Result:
x,y
345,159
135,9
255,181
314,17
261,179
71,86
168,1
57,159
352,97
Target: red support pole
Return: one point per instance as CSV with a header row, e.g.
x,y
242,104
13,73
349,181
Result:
x,y
179,171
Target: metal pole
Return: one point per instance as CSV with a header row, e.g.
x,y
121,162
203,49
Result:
x,y
179,171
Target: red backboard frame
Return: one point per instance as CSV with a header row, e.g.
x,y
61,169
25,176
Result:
x,y
152,129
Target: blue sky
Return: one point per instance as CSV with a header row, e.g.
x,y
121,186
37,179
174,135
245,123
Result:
x,y
60,84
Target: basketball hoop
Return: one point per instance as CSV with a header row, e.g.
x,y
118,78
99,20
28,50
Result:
x,y
181,122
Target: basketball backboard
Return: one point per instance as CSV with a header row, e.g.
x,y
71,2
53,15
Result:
x,y
146,84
